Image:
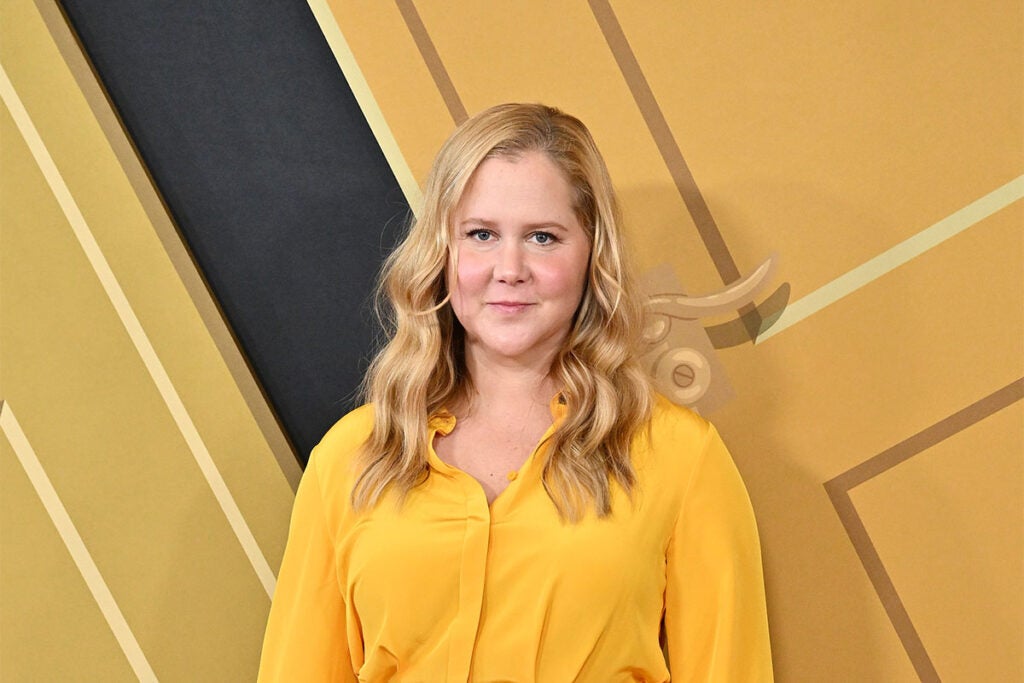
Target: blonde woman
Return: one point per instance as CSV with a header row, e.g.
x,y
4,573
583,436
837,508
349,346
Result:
x,y
514,503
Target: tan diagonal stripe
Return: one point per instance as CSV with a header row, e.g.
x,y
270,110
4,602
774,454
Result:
x,y
75,545
136,333
892,258
367,103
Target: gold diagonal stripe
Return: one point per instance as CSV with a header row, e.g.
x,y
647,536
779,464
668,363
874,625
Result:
x,y
368,104
889,260
136,333
74,544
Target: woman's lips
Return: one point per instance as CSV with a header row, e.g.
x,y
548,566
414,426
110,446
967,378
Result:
x,y
509,306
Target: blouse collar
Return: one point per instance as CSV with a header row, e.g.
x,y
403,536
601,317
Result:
x,y
443,422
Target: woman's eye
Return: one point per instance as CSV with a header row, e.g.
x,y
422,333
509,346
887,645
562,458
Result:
x,y
480,235
543,237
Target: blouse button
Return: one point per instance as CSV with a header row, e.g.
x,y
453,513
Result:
x,y
512,475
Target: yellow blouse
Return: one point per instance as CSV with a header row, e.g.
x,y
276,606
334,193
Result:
x,y
448,588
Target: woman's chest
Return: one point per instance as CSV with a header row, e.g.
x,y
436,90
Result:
x,y
422,552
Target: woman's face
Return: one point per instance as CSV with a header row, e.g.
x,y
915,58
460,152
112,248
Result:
x,y
522,260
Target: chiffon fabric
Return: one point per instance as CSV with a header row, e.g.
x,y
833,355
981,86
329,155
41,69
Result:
x,y
449,588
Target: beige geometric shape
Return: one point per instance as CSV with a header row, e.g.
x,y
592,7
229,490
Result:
x,y
682,359
682,362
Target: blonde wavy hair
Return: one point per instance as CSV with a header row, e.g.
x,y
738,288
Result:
x,y
421,368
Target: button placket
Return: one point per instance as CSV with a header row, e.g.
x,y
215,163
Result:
x,y
472,576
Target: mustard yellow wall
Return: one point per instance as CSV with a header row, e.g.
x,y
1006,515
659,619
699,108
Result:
x,y
145,493
876,149
873,151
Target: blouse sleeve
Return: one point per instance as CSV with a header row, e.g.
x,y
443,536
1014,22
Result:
x,y
305,638
716,623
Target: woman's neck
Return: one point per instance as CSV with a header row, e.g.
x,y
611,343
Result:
x,y
506,388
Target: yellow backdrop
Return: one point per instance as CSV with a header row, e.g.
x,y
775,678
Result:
x,y
848,178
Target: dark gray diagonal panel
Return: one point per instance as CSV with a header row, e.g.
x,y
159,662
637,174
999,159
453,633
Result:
x,y
255,141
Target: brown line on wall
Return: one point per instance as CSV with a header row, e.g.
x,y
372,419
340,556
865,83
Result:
x,y
666,142
839,487
442,81
883,585
941,430
672,155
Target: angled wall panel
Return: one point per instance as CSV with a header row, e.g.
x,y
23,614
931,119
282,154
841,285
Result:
x,y
267,165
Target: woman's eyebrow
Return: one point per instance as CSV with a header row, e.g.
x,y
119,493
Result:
x,y
479,221
541,225
545,225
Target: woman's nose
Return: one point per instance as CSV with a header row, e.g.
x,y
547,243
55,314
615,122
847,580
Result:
x,y
511,266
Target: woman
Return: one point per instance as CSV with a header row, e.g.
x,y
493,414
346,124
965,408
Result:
x,y
514,503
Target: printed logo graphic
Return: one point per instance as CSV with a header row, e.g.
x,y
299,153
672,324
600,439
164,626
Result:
x,y
682,358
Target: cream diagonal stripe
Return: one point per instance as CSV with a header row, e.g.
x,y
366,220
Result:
x,y
896,256
368,103
137,334
73,542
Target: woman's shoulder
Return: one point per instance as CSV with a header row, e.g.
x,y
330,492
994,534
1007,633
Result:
x,y
675,441
333,456
677,423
